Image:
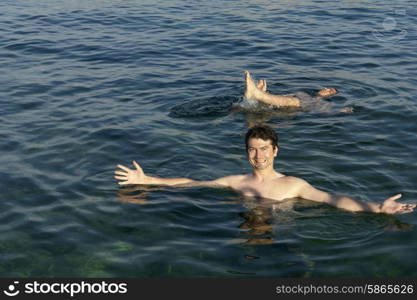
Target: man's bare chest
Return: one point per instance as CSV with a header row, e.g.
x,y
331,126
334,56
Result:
x,y
276,189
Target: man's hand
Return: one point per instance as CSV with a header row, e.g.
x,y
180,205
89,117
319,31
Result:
x,y
129,176
389,206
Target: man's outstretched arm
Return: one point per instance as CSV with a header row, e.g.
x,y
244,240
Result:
x,y
126,176
389,206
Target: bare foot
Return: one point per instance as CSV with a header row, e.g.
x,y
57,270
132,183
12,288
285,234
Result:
x,y
251,89
262,85
259,84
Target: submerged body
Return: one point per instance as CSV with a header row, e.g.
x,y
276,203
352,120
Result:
x,y
256,97
307,103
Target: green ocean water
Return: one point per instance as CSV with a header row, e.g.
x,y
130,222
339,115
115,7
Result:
x,y
88,85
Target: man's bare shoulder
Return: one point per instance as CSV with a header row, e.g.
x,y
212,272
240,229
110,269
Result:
x,y
231,180
293,181
237,178
290,186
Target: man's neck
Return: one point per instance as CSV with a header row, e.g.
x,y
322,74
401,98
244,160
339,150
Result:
x,y
262,175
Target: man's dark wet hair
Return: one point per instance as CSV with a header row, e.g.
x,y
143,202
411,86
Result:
x,y
263,132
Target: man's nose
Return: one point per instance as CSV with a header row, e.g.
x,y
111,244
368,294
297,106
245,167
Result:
x,y
259,154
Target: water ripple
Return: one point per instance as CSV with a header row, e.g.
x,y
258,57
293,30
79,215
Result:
x,y
90,84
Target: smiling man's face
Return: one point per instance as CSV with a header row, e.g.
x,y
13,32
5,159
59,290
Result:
x,y
261,153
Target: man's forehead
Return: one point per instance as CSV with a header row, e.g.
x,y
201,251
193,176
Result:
x,y
259,142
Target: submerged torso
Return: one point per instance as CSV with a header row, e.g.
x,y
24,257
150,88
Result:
x,y
278,188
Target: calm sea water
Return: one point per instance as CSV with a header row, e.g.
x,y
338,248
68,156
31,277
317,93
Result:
x,y
86,85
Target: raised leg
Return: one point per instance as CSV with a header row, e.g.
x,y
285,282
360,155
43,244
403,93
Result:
x,y
253,92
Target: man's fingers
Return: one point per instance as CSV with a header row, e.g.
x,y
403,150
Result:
x,y
123,168
120,173
120,177
406,208
137,166
395,197
409,207
122,181
404,211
